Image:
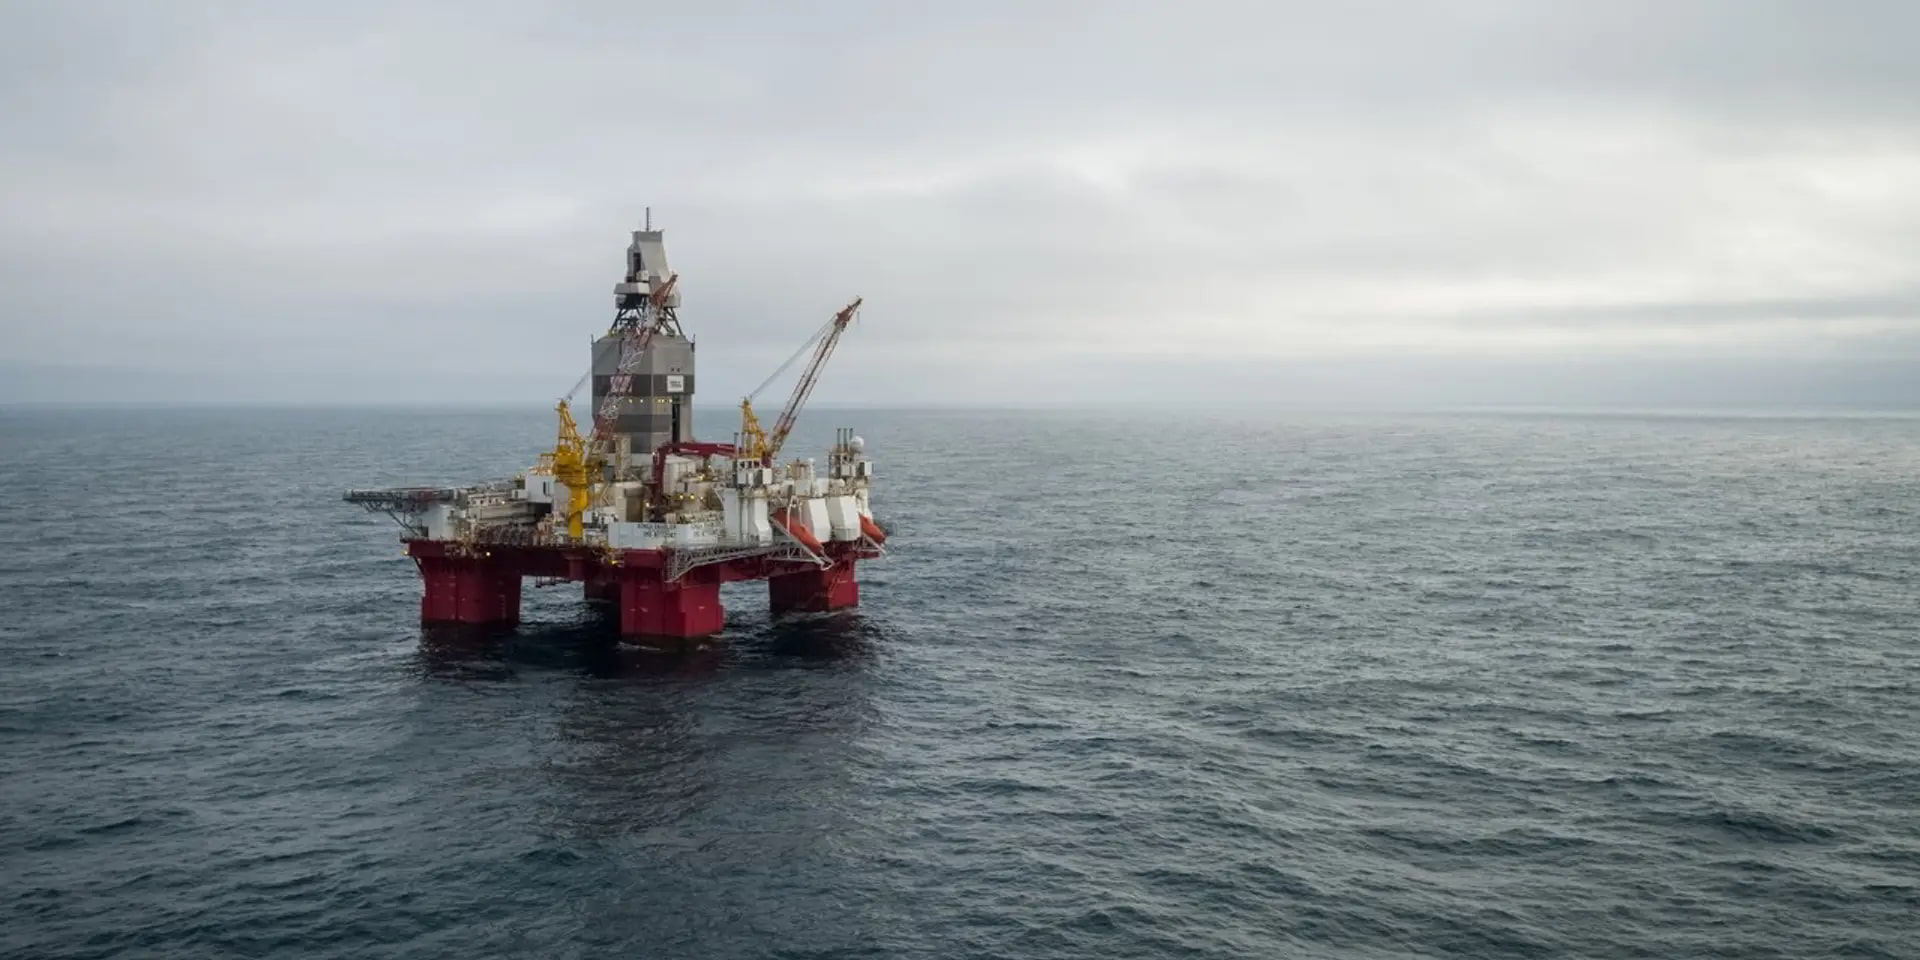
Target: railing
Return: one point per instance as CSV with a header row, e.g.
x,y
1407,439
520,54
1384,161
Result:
x,y
415,499
679,562
403,505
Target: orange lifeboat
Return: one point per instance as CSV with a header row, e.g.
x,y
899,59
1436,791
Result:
x,y
872,530
797,529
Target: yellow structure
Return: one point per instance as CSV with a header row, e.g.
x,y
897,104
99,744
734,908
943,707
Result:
x,y
570,468
753,440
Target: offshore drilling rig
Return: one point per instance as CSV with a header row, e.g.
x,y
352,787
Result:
x,y
649,519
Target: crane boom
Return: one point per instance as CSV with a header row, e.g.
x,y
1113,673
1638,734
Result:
x,y
811,376
753,439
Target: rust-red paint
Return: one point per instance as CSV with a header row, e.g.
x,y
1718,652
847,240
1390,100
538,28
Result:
x,y
480,584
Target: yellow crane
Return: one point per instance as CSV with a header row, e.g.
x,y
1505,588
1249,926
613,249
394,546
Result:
x,y
757,444
753,440
571,468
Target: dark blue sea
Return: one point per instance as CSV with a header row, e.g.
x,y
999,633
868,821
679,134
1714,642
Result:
x,y
1197,684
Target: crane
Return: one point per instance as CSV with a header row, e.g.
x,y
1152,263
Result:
x,y
753,439
570,468
758,444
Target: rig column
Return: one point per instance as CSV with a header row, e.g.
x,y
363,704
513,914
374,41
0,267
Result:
x,y
812,591
685,608
468,590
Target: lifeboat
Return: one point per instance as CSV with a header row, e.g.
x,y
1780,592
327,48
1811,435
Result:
x,y
797,528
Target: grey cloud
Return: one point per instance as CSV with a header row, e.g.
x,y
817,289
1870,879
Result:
x,y
1903,304
360,193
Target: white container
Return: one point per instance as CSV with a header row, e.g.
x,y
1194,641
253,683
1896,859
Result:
x,y
636,536
673,469
813,512
439,521
705,533
844,514
540,488
744,515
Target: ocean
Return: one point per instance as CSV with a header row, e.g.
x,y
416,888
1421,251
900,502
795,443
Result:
x,y
1132,684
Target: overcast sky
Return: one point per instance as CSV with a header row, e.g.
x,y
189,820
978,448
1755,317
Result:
x,y
1042,202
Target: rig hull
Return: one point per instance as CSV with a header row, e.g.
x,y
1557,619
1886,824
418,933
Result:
x,y
480,584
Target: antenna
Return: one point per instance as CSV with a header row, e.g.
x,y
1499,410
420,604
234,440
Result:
x,y
649,225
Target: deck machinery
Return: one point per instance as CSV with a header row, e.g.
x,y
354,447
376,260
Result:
x,y
649,519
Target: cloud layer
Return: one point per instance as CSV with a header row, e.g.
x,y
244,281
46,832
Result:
x,y
1057,201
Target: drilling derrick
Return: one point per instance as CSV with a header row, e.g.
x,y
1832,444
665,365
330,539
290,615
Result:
x,y
648,518
643,365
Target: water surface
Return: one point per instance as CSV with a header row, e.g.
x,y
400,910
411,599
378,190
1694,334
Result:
x,y
1133,685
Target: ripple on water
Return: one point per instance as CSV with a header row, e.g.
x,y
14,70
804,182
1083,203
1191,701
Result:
x,y
1479,686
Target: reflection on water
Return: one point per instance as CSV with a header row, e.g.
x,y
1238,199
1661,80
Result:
x,y
465,652
843,635
707,757
716,756
593,648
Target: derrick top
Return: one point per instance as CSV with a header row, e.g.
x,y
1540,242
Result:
x,y
647,272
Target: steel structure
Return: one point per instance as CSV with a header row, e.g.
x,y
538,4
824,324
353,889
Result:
x,y
803,388
755,442
655,537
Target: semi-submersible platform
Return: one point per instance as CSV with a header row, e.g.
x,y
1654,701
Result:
x,y
649,519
